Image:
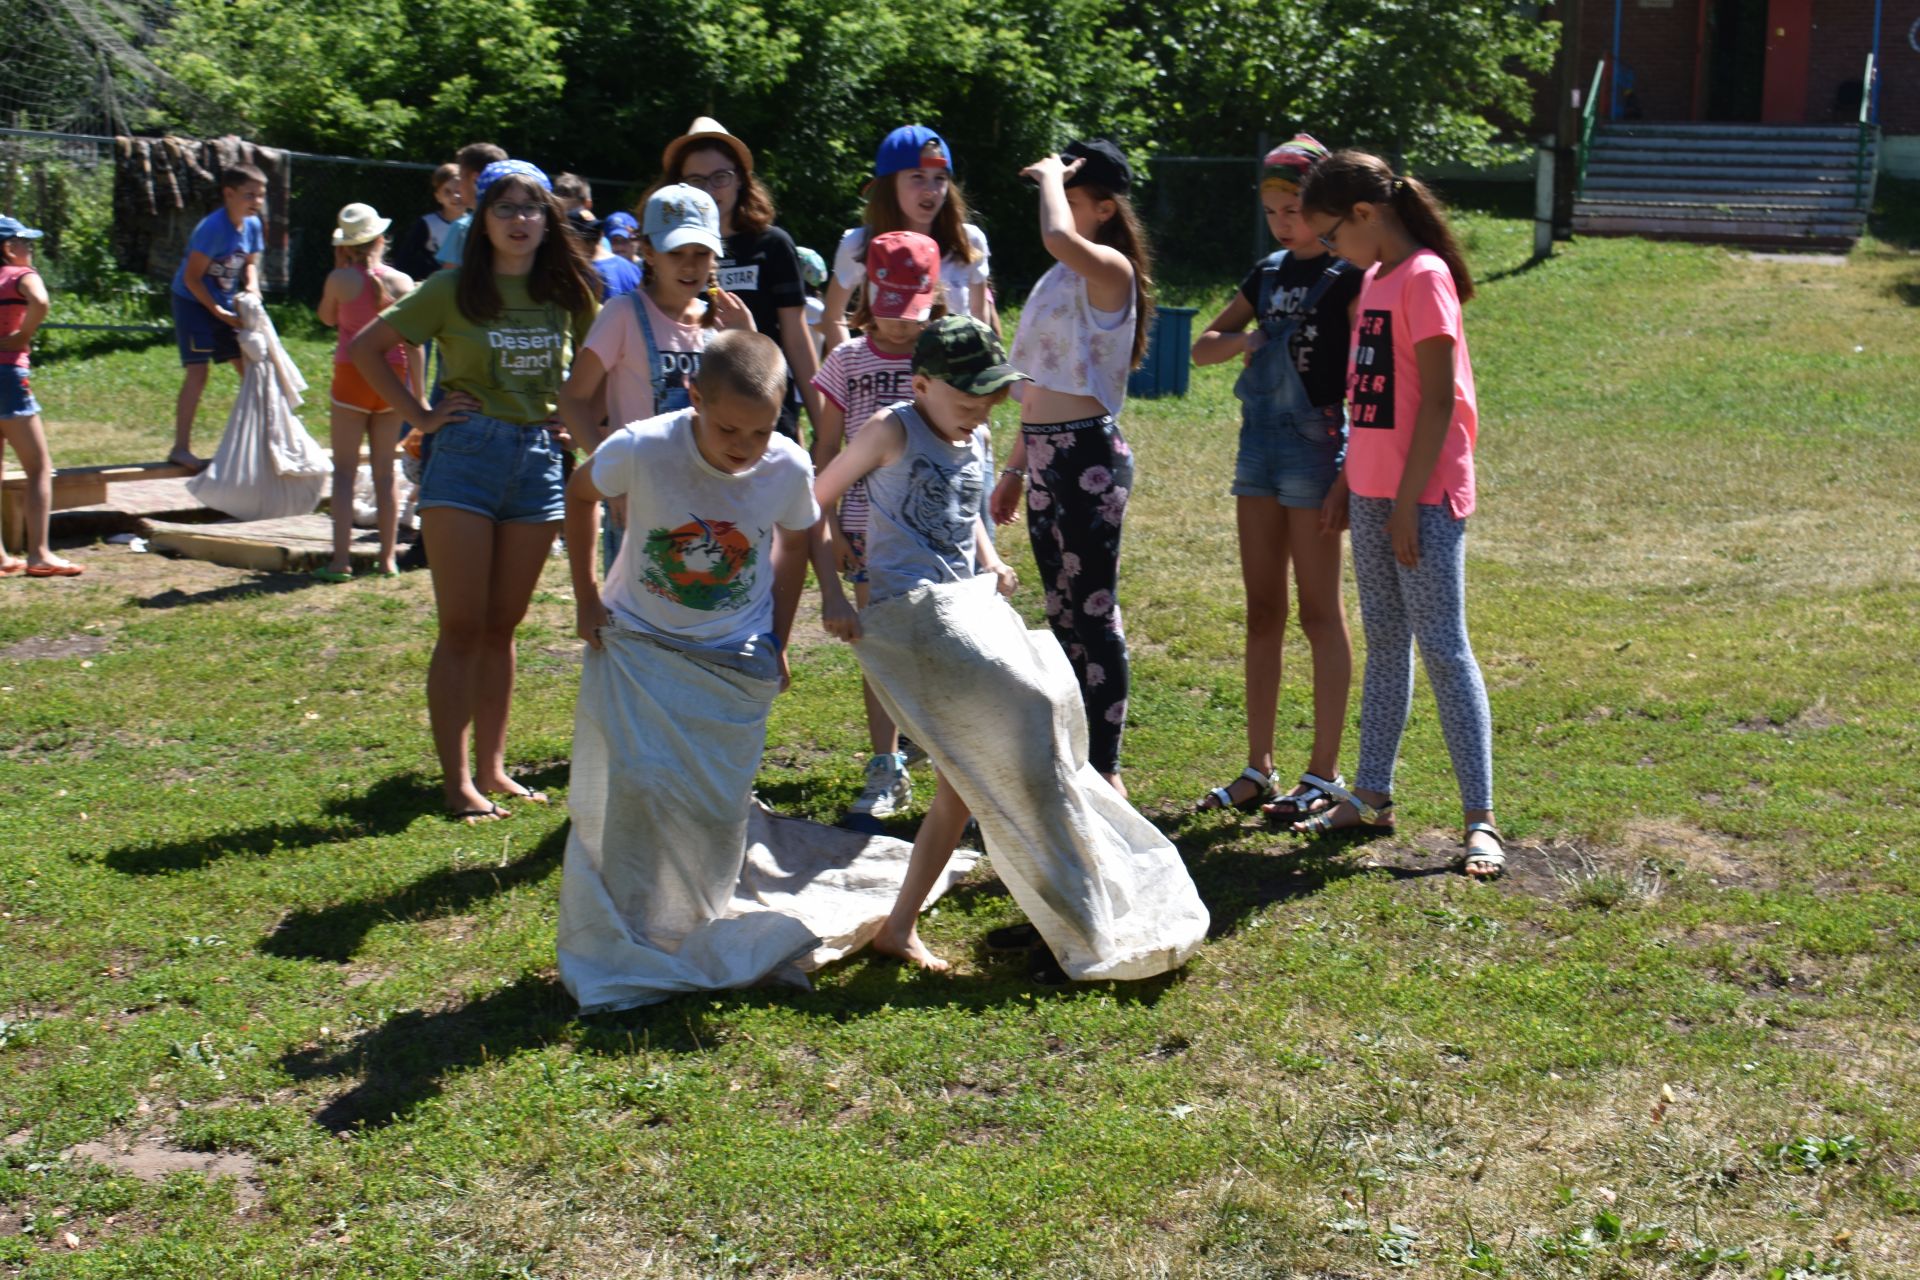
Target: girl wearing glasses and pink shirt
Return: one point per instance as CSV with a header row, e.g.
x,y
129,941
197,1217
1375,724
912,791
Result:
x,y
1407,487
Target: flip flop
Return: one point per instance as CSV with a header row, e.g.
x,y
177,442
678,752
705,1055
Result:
x,y
525,793
12,567
54,571
492,813
328,575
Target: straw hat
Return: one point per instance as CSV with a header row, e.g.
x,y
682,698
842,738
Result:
x,y
704,129
359,223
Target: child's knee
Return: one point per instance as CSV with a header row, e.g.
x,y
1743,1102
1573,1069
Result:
x,y
1267,618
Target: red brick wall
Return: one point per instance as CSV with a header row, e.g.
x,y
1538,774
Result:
x,y
1659,46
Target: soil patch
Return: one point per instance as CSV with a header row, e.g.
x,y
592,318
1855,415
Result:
x,y
35,648
151,1161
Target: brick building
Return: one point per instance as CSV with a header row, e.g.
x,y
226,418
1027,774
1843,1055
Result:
x,y
1780,62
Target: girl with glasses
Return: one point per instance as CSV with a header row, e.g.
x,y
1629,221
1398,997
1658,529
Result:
x,y
491,493
1409,471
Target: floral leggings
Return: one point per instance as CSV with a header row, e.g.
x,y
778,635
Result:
x,y
1079,476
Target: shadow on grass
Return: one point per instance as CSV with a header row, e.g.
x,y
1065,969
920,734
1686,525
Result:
x,y
336,933
1895,219
261,584
387,807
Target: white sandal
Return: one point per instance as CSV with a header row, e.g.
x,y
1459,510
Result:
x,y
1484,864
1222,797
1320,795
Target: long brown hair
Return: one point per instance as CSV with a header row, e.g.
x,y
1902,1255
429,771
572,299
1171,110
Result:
x,y
711,320
1347,178
752,210
560,272
949,229
1123,232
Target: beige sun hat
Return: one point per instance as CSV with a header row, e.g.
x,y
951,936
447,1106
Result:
x,y
359,223
704,129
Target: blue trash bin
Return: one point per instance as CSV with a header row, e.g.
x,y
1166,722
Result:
x,y
1168,365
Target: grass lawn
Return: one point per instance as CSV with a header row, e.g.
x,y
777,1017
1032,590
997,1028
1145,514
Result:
x,y
264,1013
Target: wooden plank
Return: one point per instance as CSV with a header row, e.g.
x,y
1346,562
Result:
x,y
289,545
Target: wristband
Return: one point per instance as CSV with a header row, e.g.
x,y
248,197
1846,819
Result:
x,y
1014,471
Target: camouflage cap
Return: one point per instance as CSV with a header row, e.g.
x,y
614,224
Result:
x,y
964,354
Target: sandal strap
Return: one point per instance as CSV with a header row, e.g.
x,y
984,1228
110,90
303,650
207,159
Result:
x,y
1489,829
1267,781
1369,814
1494,857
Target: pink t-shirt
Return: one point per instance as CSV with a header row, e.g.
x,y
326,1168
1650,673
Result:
x,y
617,340
1413,302
13,312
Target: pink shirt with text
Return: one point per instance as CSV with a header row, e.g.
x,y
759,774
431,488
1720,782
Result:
x,y
1409,304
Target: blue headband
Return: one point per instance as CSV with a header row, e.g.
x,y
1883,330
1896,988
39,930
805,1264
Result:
x,y
509,169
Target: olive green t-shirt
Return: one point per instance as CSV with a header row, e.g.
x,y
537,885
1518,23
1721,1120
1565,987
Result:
x,y
512,364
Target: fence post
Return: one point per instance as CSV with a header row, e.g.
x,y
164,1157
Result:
x,y
1263,145
1543,198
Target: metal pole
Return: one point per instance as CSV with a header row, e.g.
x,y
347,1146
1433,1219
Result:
x,y
1543,199
1873,90
1259,210
1613,78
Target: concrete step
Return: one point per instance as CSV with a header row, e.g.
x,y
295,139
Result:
x,y
1758,235
1750,148
1849,187
1729,132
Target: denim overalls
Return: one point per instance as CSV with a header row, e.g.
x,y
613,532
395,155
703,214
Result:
x,y
1290,449
665,400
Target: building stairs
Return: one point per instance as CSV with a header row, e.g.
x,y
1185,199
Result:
x,y
1766,185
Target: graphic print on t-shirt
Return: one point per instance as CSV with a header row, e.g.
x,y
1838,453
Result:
x,y
1370,390
522,350
740,279
941,500
677,372
703,564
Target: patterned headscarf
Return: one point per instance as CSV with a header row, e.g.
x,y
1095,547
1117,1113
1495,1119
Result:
x,y
509,169
1288,163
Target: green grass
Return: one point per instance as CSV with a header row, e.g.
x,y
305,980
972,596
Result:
x,y
1678,1040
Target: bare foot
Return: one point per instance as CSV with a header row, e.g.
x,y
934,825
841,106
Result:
x,y
1113,780
10,565
469,806
182,457
910,949
505,786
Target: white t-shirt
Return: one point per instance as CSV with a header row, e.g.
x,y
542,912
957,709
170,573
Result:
x,y
696,564
850,266
622,349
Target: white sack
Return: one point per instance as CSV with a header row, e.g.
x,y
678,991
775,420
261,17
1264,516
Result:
x,y
267,465
998,709
675,879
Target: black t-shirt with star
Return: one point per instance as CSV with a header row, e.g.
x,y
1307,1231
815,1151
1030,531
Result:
x,y
1320,340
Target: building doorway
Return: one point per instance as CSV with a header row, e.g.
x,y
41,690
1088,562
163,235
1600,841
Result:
x,y
1735,61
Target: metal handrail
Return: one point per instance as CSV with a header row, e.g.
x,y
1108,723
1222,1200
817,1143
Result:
x,y
1861,185
1589,112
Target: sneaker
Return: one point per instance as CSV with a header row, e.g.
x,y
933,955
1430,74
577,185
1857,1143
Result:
x,y
910,751
888,791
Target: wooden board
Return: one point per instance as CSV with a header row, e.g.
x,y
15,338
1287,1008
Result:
x,y
291,545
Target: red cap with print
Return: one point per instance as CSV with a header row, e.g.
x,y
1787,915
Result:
x,y
903,275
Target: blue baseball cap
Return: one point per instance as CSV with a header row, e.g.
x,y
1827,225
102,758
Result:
x,y
14,229
620,224
679,215
912,146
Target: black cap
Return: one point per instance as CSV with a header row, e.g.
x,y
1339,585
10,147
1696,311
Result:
x,y
1103,166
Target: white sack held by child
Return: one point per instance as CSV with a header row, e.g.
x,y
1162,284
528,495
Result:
x,y
267,465
675,880
999,710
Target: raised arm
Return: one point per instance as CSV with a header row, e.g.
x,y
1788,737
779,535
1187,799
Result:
x,y
1108,274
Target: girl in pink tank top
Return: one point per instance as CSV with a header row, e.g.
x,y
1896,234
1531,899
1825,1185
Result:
x,y
360,287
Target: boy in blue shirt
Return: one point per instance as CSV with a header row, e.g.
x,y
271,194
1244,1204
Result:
x,y
471,158
223,260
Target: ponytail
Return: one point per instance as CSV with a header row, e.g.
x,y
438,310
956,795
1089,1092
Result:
x,y
1123,231
1347,178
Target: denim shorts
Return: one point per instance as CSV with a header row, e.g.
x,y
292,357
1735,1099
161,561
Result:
x,y
1291,458
16,392
509,474
204,338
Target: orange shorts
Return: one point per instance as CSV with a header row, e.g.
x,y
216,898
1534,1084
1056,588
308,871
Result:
x,y
352,391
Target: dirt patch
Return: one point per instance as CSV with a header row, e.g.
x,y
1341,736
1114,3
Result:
x,y
38,648
151,1161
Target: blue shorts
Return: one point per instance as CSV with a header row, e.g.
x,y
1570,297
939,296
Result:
x,y
1291,458
204,338
509,474
16,392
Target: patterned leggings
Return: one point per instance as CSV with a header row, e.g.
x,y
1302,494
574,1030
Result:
x,y
1397,606
1079,475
